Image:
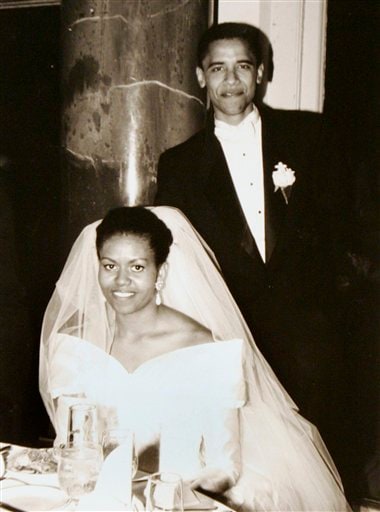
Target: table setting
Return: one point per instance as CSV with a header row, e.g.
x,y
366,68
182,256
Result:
x,y
88,474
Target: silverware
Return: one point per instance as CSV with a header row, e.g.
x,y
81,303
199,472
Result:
x,y
15,479
140,479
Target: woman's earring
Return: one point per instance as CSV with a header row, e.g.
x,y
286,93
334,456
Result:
x,y
158,287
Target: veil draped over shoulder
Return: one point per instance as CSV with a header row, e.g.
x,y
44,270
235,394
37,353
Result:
x,y
285,464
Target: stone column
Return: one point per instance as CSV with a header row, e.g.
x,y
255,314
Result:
x,y
129,92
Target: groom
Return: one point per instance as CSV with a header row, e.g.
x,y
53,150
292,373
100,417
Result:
x,y
255,185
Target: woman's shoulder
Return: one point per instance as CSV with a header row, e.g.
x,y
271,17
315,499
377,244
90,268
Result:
x,y
184,330
69,345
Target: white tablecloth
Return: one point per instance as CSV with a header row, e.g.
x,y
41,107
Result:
x,y
40,492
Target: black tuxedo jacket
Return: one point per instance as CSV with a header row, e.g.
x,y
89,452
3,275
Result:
x,y
288,300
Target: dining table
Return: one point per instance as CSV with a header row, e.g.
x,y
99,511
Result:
x,y
29,483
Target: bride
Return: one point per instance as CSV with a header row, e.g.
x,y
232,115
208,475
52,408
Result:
x,y
132,326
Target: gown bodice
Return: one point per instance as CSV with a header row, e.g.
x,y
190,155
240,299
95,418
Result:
x,y
187,398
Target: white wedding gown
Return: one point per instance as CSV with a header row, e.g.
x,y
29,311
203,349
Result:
x,y
187,398
219,403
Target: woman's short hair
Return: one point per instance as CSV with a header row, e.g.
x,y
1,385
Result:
x,y
139,221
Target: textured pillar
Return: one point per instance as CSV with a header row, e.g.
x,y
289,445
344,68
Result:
x,y
129,92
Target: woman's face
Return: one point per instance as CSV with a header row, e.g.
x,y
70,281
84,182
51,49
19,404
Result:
x,y
127,273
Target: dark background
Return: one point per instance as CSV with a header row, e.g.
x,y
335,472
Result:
x,y
30,193
31,254
351,107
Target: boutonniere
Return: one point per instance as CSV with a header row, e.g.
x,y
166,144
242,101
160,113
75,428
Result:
x,y
283,177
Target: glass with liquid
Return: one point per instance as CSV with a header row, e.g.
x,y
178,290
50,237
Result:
x,y
78,468
164,493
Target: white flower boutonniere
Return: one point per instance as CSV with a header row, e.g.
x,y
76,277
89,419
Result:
x,y
283,177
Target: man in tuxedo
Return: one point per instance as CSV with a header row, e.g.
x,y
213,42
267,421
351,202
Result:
x,y
257,185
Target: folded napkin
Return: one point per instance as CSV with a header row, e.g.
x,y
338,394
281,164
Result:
x,y
113,490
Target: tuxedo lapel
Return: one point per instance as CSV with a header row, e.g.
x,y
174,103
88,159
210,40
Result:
x,y
275,205
220,190
221,194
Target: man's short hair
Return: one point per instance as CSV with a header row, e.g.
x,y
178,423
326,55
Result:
x,y
256,40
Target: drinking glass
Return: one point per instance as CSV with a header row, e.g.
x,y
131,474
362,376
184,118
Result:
x,y
115,437
78,469
82,424
164,492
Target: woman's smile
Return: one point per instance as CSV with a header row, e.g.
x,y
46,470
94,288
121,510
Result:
x,y
123,295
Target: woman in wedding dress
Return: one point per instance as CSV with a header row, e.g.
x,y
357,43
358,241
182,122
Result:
x,y
142,324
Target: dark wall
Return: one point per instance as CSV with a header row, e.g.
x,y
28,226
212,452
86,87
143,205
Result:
x,y
352,108
30,214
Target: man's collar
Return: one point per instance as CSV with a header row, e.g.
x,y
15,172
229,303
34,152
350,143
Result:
x,y
251,119
244,131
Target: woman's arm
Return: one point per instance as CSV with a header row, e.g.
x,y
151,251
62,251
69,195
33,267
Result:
x,y
220,451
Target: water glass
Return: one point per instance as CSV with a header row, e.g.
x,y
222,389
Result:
x,y
164,492
82,424
78,468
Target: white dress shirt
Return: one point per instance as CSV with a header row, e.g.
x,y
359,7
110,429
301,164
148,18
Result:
x,y
242,148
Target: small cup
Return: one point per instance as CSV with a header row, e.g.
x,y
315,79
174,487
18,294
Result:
x,y
164,492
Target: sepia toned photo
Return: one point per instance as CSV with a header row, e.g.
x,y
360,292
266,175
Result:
x,y
189,291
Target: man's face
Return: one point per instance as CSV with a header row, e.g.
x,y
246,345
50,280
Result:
x,y
230,73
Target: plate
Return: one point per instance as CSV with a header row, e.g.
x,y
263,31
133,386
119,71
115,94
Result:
x,y
31,460
193,500
34,497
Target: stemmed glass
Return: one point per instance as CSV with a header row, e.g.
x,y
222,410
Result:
x,y
78,469
164,492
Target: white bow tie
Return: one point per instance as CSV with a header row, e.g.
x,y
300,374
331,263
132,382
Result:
x,y
246,130
232,133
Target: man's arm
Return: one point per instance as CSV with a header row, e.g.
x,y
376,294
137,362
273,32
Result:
x,y
166,181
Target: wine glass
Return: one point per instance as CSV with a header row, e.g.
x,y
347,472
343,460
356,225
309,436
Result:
x,y
78,469
164,492
116,437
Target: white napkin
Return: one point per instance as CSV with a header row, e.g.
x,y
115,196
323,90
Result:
x,y
113,490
